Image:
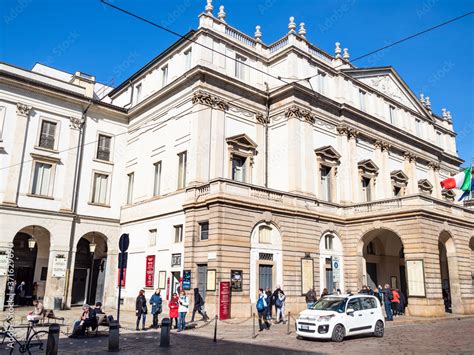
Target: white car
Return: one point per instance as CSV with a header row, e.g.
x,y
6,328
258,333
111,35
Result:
x,y
335,317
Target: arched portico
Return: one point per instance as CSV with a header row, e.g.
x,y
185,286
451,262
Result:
x,y
331,262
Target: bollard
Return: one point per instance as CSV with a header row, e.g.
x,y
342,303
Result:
x,y
114,336
215,330
165,333
289,319
53,340
253,333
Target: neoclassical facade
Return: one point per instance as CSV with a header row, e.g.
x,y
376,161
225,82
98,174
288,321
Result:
x,y
221,170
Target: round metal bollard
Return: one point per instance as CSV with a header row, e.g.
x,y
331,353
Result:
x,y
114,336
165,333
53,340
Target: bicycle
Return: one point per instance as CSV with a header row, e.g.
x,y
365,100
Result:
x,y
35,341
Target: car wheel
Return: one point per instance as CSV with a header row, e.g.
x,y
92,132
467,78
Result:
x,y
379,329
338,333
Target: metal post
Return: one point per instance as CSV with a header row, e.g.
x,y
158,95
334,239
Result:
x,y
53,340
165,332
122,259
289,318
215,330
253,332
114,336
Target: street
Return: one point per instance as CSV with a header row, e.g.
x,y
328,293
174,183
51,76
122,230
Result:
x,y
422,336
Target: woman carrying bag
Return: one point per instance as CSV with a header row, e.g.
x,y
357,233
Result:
x,y
156,307
141,309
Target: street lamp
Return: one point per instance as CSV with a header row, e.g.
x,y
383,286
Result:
x,y
92,245
32,240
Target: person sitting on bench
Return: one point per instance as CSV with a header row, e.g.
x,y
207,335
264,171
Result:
x,y
37,313
88,320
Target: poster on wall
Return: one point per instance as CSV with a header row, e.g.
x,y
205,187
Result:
x,y
224,300
211,280
150,271
236,280
186,279
336,270
307,275
3,262
59,265
162,280
415,278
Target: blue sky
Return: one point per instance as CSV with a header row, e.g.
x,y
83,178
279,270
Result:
x,y
86,35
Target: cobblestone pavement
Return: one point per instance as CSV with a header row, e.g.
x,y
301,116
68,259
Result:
x,y
404,336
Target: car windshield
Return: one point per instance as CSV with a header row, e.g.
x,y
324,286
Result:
x,y
336,304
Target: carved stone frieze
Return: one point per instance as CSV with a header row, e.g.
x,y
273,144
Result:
x,y
300,113
75,122
23,109
205,98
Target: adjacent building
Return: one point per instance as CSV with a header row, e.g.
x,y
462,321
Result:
x,y
228,159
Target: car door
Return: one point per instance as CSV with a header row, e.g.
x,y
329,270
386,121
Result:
x,y
369,311
354,320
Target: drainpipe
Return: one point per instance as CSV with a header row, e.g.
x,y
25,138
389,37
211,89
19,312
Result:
x,y
267,120
75,195
131,94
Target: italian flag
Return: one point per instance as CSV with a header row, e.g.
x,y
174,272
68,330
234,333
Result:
x,y
461,181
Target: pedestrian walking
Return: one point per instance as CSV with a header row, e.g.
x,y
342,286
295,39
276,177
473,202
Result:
x,y
280,306
387,300
268,299
34,292
156,307
21,291
141,309
395,302
311,298
402,304
199,306
173,306
274,298
324,293
261,309
182,310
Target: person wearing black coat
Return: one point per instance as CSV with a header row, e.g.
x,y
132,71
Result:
x,y
275,296
268,299
141,309
199,306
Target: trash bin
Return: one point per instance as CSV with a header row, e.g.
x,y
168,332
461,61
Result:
x,y
58,301
165,333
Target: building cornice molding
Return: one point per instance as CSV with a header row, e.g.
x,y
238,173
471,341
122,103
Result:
x,y
205,98
300,113
23,109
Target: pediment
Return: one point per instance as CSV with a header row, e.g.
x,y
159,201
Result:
x,y
368,166
387,81
425,185
242,141
399,176
327,153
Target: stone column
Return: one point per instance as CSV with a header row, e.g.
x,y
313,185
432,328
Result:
x,y
76,126
55,286
16,155
409,168
218,149
433,176
383,186
353,169
347,167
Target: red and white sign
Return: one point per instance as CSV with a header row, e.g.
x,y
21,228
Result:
x,y
124,277
224,300
150,271
168,289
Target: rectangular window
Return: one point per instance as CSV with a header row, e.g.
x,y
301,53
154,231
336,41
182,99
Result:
x,y
42,179
321,82
164,76
187,59
103,147
366,189
182,157
362,100
99,188
178,233
240,66
131,177
325,183
175,259
397,191
204,230
157,179
48,131
238,168
152,237
328,242
139,92
265,234
393,116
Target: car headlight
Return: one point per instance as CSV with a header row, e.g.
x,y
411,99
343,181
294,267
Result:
x,y
325,318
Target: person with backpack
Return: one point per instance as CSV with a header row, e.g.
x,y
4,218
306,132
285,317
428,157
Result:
x,y
280,307
262,310
387,301
311,298
156,307
199,306
182,310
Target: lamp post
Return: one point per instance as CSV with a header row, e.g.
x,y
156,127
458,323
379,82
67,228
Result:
x,y
92,246
32,240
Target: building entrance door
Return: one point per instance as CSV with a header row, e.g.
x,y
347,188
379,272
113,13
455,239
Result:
x,y
202,280
79,280
265,276
372,275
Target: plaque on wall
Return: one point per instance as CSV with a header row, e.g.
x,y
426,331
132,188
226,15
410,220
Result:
x,y
415,278
307,275
211,280
162,280
59,265
236,280
186,279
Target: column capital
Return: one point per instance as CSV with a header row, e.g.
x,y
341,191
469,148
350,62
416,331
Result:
x,y
345,130
76,122
300,113
409,156
435,166
205,98
382,145
23,109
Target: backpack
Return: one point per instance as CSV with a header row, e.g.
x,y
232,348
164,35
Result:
x,y
260,305
278,302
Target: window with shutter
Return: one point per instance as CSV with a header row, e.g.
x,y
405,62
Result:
x,y
41,179
48,131
103,147
99,191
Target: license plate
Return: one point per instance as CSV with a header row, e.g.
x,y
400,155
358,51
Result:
x,y
304,327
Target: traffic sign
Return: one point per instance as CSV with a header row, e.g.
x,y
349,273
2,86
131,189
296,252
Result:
x,y
124,242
